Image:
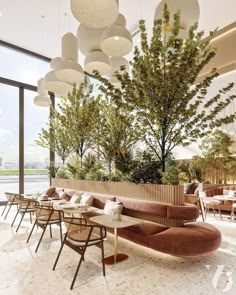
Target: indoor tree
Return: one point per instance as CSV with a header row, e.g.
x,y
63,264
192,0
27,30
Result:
x,y
79,117
116,135
55,137
163,90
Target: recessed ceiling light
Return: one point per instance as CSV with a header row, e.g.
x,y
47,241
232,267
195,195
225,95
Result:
x,y
0,13
116,38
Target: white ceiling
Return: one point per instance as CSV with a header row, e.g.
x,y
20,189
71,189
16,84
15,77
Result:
x,y
38,25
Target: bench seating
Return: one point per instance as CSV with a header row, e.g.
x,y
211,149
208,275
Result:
x,y
214,191
191,239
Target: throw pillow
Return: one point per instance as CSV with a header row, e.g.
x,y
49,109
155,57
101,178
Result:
x,y
65,197
86,199
225,192
61,194
113,208
75,199
232,193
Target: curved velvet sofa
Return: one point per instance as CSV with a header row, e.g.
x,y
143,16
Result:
x,y
191,239
214,191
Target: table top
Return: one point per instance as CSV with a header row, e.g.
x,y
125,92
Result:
x,y
224,198
107,220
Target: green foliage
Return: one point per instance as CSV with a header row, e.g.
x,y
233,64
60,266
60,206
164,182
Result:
x,y
116,135
55,137
91,170
52,169
230,167
192,169
164,92
79,117
216,144
5,172
146,169
171,175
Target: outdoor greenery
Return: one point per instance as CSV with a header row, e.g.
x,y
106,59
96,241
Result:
x,y
160,105
217,154
7,172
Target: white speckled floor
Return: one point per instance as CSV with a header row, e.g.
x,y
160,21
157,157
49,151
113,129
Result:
x,y
146,271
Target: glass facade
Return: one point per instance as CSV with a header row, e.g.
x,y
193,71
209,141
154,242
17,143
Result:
x,y
9,139
23,164
36,158
21,67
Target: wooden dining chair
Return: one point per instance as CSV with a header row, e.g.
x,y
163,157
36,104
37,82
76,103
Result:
x,y
11,201
78,237
25,205
46,216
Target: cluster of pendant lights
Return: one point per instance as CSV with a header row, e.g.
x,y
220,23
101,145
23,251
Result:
x,y
103,39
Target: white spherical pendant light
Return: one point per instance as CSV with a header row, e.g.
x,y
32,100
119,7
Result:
x,y
88,39
95,13
97,60
115,82
56,86
42,100
67,69
116,40
118,62
189,10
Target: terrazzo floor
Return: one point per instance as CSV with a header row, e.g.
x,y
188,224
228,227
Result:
x,y
146,271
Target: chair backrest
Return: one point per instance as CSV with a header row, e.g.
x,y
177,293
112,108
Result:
x,y
10,196
46,213
79,231
24,202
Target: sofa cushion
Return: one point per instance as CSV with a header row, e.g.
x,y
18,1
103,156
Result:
x,y
139,233
86,199
50,191
112,207
195,238
75,199
100,200
182,212
143,206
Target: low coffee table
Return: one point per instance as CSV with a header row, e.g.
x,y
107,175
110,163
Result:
x,y
108,221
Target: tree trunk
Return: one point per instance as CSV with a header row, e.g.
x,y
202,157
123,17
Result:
x,y
163,163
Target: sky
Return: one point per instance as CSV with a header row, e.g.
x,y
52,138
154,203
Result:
x,y
20,67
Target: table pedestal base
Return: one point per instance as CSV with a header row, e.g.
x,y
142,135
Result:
x,y
111,259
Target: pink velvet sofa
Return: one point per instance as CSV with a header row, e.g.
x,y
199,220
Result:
x,y
219,190
191,239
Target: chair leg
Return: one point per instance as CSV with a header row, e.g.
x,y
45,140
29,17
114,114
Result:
x,y
31,231
60,231
58,255
8,210
103,264
4,209
232,214
15,217
206,212
30,217
220,213
44,228
50,230
77,269
23,214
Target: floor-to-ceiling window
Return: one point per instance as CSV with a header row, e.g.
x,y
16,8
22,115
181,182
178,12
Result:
x,y
9,139
23,164
36,158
